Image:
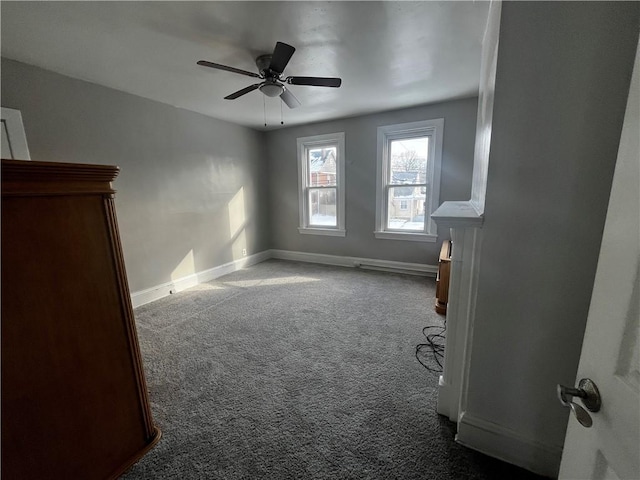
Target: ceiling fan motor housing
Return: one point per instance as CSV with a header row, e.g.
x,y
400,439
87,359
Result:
x,y
271,87
263,62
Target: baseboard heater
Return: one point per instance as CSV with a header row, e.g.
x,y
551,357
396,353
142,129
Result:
x,y
383,268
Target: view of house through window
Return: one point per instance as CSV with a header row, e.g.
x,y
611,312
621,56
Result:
x,y
408,184
322,186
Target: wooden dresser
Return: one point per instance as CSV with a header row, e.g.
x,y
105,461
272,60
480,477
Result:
x,y
74,398
442,280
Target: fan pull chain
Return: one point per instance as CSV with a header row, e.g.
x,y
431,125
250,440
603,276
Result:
x,y
281,117
264,109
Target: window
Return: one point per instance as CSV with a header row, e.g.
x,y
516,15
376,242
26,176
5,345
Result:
x,y
321,184
408,188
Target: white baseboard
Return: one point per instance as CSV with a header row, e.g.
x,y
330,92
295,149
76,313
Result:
x,y
357,262
143,297
503,443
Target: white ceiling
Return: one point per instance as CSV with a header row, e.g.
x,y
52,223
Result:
x,y
388,54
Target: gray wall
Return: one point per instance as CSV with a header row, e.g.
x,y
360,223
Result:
x,y
361,157
191,192
561,88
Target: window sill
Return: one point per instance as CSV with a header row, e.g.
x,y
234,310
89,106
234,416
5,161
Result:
x,y
410,236
332,232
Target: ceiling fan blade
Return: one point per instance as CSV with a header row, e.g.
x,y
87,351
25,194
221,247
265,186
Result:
x,y
244,91
315,81
281,56
204,63
289,99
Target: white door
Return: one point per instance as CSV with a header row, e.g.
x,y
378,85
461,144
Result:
x,y
610,449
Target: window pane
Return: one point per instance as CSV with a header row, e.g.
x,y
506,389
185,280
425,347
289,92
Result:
x,y
322,207
405,208
408,160
322,166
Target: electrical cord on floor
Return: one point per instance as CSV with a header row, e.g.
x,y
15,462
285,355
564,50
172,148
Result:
x,y
435,343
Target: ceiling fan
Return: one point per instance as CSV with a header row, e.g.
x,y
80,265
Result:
x,y
271,67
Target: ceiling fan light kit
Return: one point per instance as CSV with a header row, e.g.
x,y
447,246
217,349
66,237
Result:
x,y
271,89
271,67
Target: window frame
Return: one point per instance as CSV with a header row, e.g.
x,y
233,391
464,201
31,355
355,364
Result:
x,y
434,129
304,144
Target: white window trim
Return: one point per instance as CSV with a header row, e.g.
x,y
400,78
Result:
x,y
305,143
433,128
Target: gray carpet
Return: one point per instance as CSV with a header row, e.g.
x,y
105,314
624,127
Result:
x,y
297,371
